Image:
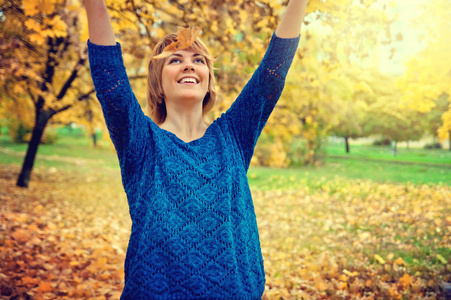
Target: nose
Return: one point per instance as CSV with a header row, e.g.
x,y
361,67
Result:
x,y
188,67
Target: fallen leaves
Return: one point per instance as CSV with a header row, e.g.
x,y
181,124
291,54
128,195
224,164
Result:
x,y
21,235
345,240
406,280
52,249
379,259
442,259
356,239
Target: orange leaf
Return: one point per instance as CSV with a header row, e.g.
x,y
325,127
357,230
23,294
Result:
x,y
21,235
44,287
321,285
342,286
406,280
343,277
105,276
185,37
400,261
29,281
33,227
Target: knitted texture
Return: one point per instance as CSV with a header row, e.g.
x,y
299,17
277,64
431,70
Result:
x,y
194,230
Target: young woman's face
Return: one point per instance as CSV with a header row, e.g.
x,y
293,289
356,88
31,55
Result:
x,y
185,75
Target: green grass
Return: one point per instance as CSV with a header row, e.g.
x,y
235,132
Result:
x,y
74,151
413,155
343,169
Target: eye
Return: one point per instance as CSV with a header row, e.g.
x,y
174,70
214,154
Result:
x,y
174,60
199,60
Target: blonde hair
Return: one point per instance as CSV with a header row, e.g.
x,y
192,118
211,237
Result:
x,y
155,95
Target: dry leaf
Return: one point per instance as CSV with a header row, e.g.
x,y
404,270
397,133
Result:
x,y
45,287
21,235
185,38
406,280
379,259
400,261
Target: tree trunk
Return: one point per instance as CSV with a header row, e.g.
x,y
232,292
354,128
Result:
x,y
309,158
347,144
41,122
395,148
91,126
94,139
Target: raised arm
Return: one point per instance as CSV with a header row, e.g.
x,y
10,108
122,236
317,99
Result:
x,y
250,111
290,25
99,23
123,115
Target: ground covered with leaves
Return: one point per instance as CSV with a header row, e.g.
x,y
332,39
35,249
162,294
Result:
x,y
66,236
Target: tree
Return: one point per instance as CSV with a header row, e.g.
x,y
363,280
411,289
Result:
x,y
434,116
46,59
355,95
324,86
428,75
389,118
352,123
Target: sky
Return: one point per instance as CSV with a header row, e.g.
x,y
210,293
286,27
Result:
x,y
409,46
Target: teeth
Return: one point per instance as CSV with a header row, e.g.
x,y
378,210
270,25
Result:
x,y
191,80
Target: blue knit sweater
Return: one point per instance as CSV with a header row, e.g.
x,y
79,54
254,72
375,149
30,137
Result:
x,y
194,232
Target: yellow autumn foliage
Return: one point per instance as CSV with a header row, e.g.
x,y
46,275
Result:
x,y
428,74
329,82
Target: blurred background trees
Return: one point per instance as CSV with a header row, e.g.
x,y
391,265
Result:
x,y
335,86
426,84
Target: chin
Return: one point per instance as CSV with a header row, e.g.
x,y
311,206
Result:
x,y
194,98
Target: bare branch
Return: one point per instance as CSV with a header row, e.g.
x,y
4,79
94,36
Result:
x,y
140,76
80,98
73,76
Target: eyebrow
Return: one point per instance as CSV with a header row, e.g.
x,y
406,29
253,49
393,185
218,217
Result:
x,y
194,55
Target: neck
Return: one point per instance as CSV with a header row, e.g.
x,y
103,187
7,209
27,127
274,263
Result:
x,y
184,121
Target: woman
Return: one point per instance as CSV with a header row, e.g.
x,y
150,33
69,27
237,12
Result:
x,y
194,232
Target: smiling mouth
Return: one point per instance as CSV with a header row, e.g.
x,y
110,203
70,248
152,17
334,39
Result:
x,y
188,80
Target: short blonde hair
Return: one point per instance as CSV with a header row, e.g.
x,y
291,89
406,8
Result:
x,y
155,95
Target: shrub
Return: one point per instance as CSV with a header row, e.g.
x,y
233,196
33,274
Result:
x,y
50,136
19,132
382,142
435,145
269,152
300,154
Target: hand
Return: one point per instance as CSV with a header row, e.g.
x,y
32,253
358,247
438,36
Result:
x,y
290,25
99,23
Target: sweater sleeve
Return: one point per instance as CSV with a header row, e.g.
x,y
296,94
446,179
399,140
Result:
x,y
123,114
249,113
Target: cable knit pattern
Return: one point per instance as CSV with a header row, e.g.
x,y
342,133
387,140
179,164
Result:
x,y
194,230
